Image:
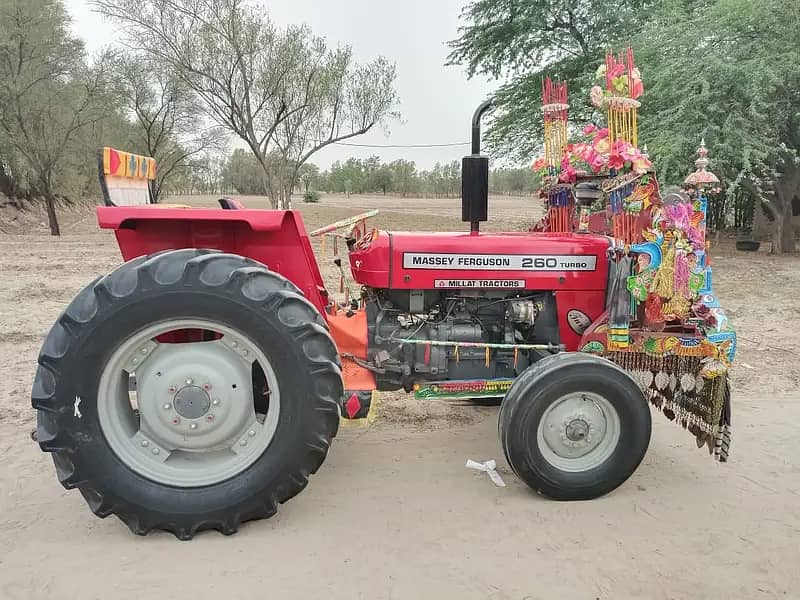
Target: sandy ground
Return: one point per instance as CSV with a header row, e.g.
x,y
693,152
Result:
x,y
393,513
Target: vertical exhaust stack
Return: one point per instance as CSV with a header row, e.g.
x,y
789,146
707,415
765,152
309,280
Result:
x,y
475,177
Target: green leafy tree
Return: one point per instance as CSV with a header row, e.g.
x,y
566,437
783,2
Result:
x,y
727,70
243,174
308,174
404,176
48,95
524,40
381,179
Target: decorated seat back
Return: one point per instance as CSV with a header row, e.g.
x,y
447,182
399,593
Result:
x,y
125,177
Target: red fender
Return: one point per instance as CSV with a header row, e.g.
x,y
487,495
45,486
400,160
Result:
x,y
276,238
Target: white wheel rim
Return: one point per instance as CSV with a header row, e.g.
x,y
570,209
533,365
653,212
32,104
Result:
x,y
578,432
192,419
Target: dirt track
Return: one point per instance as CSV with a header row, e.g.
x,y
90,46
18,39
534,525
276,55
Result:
x,y
393,513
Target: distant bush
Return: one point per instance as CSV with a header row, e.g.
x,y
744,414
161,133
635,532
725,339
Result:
x,y
311,196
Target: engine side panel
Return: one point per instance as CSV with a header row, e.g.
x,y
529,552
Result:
x,y
573,267
530,261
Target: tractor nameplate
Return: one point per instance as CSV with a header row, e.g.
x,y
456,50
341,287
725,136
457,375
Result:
x,y
499,262
479,283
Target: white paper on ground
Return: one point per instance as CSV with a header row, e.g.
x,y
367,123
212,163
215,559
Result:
x,y
489,467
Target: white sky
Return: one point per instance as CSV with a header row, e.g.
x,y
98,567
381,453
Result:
x,y
436,102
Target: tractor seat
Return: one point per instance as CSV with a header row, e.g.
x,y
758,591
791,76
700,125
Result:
x,y
230,204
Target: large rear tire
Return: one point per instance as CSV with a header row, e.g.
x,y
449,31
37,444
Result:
x,y
574,426
192,435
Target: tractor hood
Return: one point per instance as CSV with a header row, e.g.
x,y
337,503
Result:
x,y
532,261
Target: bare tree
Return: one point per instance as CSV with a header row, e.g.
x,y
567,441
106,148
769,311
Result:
x,y
47,94
253,77
336,100
169,121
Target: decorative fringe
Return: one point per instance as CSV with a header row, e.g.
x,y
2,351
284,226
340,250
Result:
x,y
723,444
673,385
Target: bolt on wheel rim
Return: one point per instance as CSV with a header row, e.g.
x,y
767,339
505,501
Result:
x,y
187,414
578,432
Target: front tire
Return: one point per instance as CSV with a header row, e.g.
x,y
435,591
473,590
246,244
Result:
x,y
574,426
188,436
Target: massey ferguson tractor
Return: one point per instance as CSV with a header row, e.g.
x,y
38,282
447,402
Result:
x,y
201,383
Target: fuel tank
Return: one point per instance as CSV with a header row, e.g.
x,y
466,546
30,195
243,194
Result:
x,y
518,260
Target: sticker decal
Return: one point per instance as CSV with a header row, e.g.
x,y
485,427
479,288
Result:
x,y
499,262
479,283
76,408
578,321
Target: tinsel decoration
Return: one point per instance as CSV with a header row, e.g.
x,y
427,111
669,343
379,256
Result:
x,y
554,107
559,213
621,106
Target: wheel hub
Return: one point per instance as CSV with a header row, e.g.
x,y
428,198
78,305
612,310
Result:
x,y
195,421
192,402
577,430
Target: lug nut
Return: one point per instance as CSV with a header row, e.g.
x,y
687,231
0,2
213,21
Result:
x,y
144,350
215,403
243,443
251,433
193,426
235,344
145,443
244,353
156,450
135,360
189,381
167,406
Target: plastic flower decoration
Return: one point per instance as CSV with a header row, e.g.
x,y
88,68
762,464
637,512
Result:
x,y
638,86
615,161
616,82
596,95
595,154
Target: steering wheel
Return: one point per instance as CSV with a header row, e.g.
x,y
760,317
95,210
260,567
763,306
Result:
x,y
355,227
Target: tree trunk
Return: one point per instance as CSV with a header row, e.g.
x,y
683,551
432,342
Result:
x,y
52,218
287,203
783,233
781,207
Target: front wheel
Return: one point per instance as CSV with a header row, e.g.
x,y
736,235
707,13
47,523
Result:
x,y
188,390
574,426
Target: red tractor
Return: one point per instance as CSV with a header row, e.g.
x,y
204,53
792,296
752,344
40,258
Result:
x,y
201,383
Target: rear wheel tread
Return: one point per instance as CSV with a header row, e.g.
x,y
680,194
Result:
x,y
138,277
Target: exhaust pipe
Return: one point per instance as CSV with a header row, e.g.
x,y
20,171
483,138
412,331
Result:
x,y
475,177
